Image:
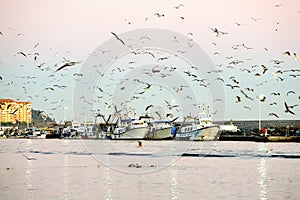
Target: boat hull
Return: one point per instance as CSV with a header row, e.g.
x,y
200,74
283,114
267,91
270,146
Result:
x,y
132,134
206,133
161,134
201,134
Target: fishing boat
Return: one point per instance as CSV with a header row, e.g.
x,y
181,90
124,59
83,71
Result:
x,y
201,129
130,129
89,131
86,130
161,130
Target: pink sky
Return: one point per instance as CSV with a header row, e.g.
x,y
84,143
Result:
x,y
73,29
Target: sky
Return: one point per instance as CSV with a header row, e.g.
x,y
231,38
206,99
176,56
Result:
x,y
230,56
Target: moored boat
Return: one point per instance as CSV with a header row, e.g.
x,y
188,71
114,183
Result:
x,y
161,130
198,130
130,129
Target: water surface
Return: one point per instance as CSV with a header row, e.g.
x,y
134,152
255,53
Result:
x,y
99,169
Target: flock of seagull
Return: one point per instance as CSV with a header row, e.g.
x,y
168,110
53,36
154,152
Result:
x,y
233,83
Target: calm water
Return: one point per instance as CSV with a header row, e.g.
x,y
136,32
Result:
x,y
97,169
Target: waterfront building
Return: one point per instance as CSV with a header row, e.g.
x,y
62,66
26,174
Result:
x,y
12,111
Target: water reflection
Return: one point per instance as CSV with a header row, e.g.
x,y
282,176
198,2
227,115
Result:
x,y
173,171
107,183
65,173
28,174
262,170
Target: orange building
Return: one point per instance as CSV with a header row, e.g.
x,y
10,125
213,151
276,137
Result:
x,y
13,111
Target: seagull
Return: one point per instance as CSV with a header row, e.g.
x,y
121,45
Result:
x,y
246,95
297,57
287,109
67,65
263,99
220,79
249,89
238,24
14,112
274,114
264,68
116,36
150,106
287,53
162,58
290,92
148,86
150,53
159,15
217,32
169,115
255,19
275,93
22,53
49,88
232,86
247,107
180,5
154,70
293,106
28,158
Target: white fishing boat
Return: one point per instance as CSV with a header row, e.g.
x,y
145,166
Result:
x,y
202,129
129,129
161,130
87,130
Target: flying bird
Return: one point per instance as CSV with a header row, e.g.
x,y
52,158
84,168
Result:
x,y
170,115
263,99
238,99
232,86
287,109
14,112
297,57
220,79
68,64
275,93
116,36
150,106
159,15
180,5
264,68
217,32
246,95
274,114
293,106
290,92
22,53
238,24
247,107
28,158
255,19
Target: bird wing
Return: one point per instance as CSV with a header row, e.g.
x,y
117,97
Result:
x,y
116,36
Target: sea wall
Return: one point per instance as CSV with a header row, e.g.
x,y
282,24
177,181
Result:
x,y
254,124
